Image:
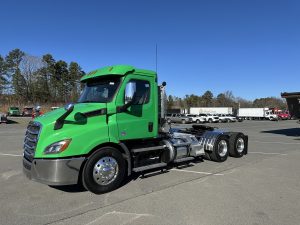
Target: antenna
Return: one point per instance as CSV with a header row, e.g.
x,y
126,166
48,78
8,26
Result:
x,y
156,58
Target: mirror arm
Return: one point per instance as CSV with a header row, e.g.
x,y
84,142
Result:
x,y
59,123
123,108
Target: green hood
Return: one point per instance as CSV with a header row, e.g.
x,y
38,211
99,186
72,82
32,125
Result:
x,y
52,116
83,132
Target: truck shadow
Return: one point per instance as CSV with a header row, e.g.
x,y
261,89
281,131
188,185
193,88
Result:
x,y
292,132
10,121
75,188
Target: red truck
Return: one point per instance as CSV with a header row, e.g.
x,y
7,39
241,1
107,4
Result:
x,y
282,115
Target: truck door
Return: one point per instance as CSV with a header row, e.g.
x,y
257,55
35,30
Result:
x,y
140,119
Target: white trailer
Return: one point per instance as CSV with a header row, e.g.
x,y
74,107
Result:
x,y
256,113
211,110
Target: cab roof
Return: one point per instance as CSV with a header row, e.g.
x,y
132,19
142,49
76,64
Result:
x,y
120,70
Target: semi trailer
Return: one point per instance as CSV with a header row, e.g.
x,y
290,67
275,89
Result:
x,y
116,128
256,113
211,110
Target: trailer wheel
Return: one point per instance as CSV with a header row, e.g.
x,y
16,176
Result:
x,y
220,152
104,171
237,145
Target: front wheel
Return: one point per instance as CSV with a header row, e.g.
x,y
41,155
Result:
x,y
183,121
104,171
210,120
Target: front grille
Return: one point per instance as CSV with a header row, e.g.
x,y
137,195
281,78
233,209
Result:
x,y
31,139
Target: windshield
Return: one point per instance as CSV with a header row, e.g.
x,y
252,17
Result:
x,y
14,108
101,90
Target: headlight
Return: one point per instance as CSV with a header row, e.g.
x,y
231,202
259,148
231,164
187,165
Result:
x,y
57,147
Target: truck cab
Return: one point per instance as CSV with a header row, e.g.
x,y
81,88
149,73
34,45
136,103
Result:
x,y
14,111
117,126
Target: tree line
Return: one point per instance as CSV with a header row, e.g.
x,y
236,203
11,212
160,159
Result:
x,y
226,99
31,79
28,79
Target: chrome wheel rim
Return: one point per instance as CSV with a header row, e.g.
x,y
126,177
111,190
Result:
x,y
240,145
105,171
222,148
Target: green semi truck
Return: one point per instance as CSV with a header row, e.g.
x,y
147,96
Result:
x,y
116,128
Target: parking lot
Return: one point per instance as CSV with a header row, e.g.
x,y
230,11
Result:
x,y
263,187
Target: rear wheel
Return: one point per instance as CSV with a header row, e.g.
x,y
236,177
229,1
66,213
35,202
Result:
x,y
183,121
210,120
237,145
197,121
220,151
104,171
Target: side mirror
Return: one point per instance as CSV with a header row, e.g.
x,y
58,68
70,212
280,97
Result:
x,y
130,92
130,96
69,107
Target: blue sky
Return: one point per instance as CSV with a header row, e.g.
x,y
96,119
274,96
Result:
x,y
249,47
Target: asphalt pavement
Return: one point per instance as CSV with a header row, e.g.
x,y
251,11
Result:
x,y
262,187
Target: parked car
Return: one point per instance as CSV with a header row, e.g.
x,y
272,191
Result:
x,y
239,119
37,112
196,118
210,118
54,107
284,116
14,111
231,118
3,118
27,111
178,118
223,118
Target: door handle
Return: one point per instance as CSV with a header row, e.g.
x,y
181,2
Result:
x,y
150,126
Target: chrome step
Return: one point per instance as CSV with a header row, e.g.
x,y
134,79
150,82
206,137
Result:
x,y
183,159
136,150
149,167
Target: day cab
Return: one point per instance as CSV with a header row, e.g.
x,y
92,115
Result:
x,y
61,144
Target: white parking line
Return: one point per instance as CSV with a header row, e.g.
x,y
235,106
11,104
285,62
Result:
x,y
190,171
278,142
6,154
268,153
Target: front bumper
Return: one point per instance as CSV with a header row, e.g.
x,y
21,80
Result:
x,y
53,171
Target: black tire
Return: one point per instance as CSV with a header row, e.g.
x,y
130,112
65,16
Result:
x,y
183,121
217,154
169,121
198,121
207,156
88,180
234,144
210,120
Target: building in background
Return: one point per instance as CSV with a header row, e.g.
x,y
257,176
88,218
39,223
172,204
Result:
x,y
293,102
